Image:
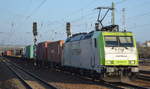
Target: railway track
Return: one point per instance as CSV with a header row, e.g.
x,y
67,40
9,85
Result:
x,y
103,83
109,85
24,76
121,85
129,86
144,75
144,72
145,78
118,85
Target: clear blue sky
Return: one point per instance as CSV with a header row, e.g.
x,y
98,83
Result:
x,y
17,16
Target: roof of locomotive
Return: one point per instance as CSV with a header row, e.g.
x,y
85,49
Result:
x,y
118,33
80,36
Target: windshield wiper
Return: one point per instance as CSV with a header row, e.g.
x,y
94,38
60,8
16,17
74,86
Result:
x,y
125,47
113,47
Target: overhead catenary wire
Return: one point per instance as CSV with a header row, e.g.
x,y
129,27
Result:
x,y
120,2
36,9
80,18
139,26
74,13
12,32
25,18
76,21
137,17
39,6
140,15
73,21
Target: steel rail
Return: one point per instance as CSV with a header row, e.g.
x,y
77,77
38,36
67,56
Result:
x,y
18,76
34,76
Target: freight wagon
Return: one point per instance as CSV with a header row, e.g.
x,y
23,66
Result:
x,y
42,52
8,53
18,52
49,53
29,52
55,50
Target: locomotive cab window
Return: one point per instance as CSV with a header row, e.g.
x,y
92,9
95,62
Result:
x,y
126,41
118,41
111,41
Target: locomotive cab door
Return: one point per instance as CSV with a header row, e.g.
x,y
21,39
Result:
x,y
93,47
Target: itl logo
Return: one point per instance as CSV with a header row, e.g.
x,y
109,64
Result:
x,y
120,50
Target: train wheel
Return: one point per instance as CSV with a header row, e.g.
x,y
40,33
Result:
x,y
134,76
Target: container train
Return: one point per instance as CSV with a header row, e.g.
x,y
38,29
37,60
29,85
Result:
x,y
107,55
104,53
100,54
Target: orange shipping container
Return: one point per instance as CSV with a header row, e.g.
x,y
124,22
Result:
x,y
8,53
55,51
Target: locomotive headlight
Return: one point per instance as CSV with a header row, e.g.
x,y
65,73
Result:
x,y
135,69
109,62
132,61
109,69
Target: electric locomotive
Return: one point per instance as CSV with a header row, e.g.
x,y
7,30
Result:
x,y
103,54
